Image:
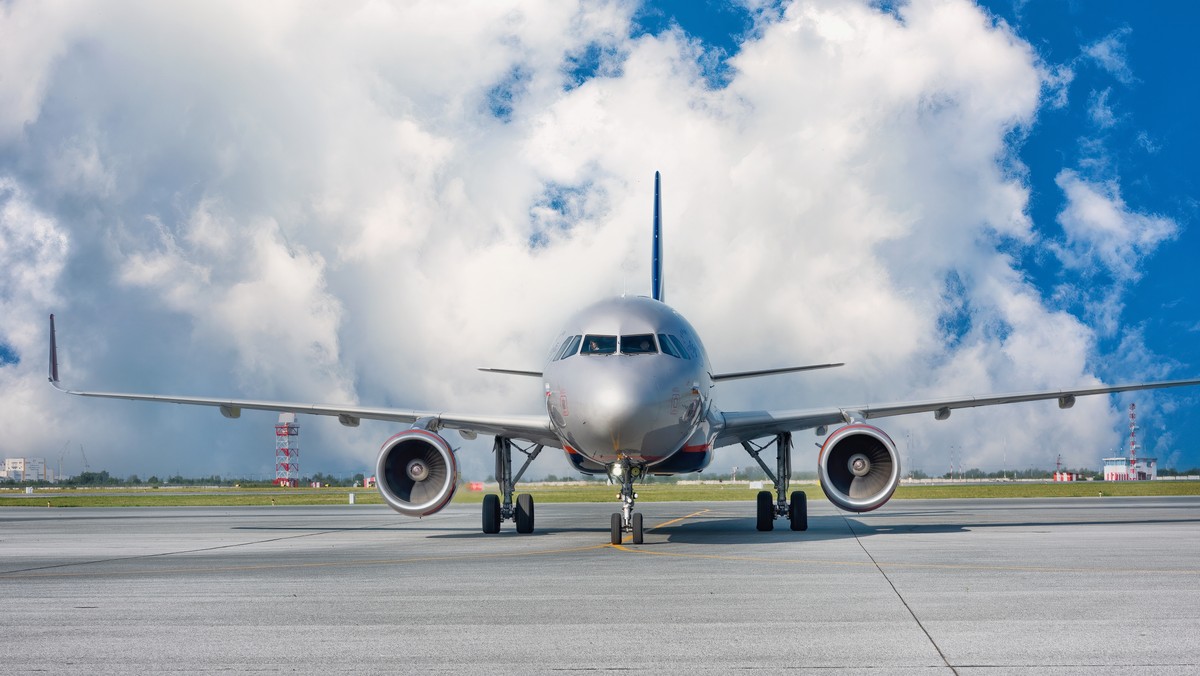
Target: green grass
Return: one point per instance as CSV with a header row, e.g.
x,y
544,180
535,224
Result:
x,y
578,492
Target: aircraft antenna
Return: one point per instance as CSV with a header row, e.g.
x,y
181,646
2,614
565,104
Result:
x,y
287,451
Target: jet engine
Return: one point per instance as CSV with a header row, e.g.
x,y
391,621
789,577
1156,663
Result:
x,y
859,468
416,472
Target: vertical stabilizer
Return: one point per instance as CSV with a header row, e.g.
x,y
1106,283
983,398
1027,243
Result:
x,y
656,273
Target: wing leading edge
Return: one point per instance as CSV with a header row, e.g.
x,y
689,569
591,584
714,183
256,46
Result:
x,y
535,428
741,426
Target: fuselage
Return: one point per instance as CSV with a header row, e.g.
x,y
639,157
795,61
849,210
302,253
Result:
x,y
628,380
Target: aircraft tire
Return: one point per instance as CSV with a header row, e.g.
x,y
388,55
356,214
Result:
x,y
491,513
524,513
766,511
615,528
798,511
637,528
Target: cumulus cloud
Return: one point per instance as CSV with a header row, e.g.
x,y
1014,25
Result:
x,y
363,203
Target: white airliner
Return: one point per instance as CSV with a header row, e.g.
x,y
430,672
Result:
x,y
629,392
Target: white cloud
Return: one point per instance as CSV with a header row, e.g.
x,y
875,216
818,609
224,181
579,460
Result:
x,y
36,34
1102,232
1058,85
338,204
1109,54
1099,109
33,252
1148,143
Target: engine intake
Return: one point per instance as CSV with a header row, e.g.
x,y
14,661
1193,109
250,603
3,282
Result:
x,y
859,468
416,473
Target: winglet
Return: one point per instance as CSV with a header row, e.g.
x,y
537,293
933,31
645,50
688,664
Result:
x,y
53,355
656,273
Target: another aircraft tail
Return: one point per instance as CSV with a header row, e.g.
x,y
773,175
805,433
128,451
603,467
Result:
x,y
656,272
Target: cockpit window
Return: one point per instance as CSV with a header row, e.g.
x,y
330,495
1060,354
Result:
x,y
668,347
569,347
573,348
599,345
642,343
679,347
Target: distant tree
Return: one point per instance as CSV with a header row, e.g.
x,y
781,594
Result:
x,y
133,479
154,479
101,478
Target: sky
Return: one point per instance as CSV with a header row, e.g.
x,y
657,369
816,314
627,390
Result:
x,y
362,202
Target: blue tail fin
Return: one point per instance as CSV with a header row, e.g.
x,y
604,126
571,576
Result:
x,y
656,272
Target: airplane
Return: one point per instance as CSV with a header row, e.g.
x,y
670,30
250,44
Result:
x,y
629,393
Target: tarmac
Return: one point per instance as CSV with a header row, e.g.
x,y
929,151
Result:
x,y
1063,586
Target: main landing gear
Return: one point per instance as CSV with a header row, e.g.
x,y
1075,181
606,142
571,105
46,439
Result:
x,y
626,520
770,509
493,510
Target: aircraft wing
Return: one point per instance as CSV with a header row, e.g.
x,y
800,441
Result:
x,y
745,425
535,428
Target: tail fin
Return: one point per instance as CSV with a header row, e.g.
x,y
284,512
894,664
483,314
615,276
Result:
x,y
656,272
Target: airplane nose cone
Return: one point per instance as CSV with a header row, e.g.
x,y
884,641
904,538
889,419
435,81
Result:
x,y
627,414
615,408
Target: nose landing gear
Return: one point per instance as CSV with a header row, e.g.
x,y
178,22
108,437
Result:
x,y
626,520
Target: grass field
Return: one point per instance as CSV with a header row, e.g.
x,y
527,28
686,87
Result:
x,y
547,493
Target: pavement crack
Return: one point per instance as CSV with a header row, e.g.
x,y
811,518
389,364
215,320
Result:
x,y
899,596
164,554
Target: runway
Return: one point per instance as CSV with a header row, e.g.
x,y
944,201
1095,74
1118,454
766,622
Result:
x,y
1067,586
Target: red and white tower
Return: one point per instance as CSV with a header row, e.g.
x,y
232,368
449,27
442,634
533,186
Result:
x,y
287,451
1133,441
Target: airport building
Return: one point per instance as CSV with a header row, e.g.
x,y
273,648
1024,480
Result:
x,y
26,469
1133,468
1122,469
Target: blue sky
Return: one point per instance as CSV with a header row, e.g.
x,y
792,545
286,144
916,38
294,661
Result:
x,y
363,203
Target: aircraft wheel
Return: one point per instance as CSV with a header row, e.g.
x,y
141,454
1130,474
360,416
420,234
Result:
x,y
524,513
491,513
766,511
637,528
615,529
798,511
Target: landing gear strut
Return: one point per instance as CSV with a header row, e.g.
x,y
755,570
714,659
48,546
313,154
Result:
x,y
625,473
495,511
796,511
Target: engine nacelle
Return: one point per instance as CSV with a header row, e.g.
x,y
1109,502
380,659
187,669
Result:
x,y
859,468
416,473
